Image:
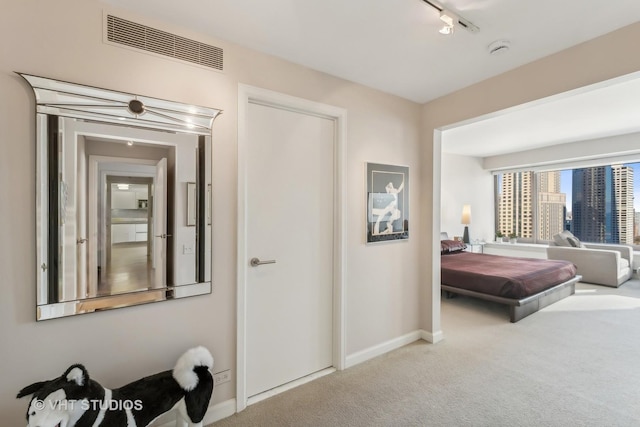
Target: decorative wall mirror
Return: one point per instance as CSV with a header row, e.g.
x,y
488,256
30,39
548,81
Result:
x,y
123,198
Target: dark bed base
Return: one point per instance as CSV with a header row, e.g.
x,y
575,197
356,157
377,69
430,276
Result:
x,y
521,308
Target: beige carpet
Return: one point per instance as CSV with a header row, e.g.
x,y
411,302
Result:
x,y
575,363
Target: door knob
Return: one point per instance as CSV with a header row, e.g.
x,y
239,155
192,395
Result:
x,y
256,262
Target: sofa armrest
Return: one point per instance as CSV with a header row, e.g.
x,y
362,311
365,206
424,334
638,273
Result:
x,y
594,265
626,251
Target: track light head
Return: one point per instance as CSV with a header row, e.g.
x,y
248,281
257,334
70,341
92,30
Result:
x,y
446,30
448,18
451,20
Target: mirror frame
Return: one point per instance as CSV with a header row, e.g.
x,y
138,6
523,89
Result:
x,y
56,99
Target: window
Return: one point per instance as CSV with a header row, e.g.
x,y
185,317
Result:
x,y
597,204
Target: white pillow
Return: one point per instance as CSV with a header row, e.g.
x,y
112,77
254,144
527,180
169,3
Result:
x,y
563,239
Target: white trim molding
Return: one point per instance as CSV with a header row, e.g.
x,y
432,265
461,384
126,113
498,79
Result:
x,y
387,346
432,337
214,413
290,385
249,94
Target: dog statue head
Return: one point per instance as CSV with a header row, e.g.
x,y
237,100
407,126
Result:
x,y
56,403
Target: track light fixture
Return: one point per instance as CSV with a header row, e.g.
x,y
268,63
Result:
x,y
451,20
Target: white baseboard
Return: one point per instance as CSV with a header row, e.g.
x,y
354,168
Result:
x,y
382,348
219,411
433,338
214,413
228,407
288,386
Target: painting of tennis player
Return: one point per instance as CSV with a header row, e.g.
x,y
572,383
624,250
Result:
x,y
387,202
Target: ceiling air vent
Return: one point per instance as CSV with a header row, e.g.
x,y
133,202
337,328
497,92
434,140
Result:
x,y
146,38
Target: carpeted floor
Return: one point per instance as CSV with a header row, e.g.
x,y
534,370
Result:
x,y
575,363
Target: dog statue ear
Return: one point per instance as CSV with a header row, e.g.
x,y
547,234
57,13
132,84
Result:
x,y
77,374
31,389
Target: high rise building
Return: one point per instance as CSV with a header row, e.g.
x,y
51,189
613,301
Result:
x,y
515,204
623,193
592,208
603,204
551,207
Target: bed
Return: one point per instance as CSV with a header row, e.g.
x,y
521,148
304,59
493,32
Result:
x,y
526,285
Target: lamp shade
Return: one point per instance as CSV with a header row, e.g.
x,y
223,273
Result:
x,y
466,215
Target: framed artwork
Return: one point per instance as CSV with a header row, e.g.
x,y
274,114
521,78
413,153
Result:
x,y
387,202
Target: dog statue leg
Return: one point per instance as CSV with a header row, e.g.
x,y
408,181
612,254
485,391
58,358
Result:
x,y
182,419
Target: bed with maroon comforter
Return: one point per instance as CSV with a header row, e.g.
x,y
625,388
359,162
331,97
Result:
x,y
525,284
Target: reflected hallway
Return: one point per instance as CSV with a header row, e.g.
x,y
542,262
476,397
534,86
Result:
x,y
129,270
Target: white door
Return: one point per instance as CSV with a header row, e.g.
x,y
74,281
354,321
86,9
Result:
x,y
290,214
72,253
159,233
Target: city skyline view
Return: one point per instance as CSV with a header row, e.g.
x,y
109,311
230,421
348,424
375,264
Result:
x,y
566,185
538,205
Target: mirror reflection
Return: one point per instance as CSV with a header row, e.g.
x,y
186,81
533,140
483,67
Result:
x,y
123,199
129,261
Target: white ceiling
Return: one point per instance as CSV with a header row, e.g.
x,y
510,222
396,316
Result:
x,y
605,109
394,46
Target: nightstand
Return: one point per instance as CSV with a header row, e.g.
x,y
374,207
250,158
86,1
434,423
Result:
x,y
477,247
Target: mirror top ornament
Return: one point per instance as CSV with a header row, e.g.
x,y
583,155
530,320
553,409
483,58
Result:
x,y
104,105
123,198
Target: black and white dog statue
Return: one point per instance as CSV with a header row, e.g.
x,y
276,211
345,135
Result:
x,y
75,400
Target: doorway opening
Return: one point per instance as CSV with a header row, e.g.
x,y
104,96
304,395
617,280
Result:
x,y
129,266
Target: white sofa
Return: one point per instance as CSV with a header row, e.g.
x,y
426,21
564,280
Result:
x,y
602,264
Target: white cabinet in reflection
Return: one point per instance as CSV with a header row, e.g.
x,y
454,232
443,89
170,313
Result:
x,y
141,232
122,233
123,200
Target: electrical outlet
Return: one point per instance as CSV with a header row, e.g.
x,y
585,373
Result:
x,y
222,377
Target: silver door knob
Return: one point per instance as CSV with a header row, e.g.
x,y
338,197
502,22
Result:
x,y
163,236
81,241
256,262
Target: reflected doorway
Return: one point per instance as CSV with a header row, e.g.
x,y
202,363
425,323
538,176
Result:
x,y
129,255
127,225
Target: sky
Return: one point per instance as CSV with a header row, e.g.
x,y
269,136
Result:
x,y
565,185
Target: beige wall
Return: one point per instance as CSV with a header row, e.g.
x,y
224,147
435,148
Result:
x,y
63,40
389,287
466,182
606,57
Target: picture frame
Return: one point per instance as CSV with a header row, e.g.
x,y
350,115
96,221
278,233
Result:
x,y
387,202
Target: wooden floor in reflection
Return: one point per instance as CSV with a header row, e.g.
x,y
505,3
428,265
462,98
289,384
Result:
x,y
129,270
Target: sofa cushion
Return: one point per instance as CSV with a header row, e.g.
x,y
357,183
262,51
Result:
x,y
573,241
624,263
562,239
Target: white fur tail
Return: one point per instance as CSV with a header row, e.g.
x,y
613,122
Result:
x,y
184,373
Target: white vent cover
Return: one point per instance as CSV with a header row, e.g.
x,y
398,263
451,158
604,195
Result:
x,y
139,36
